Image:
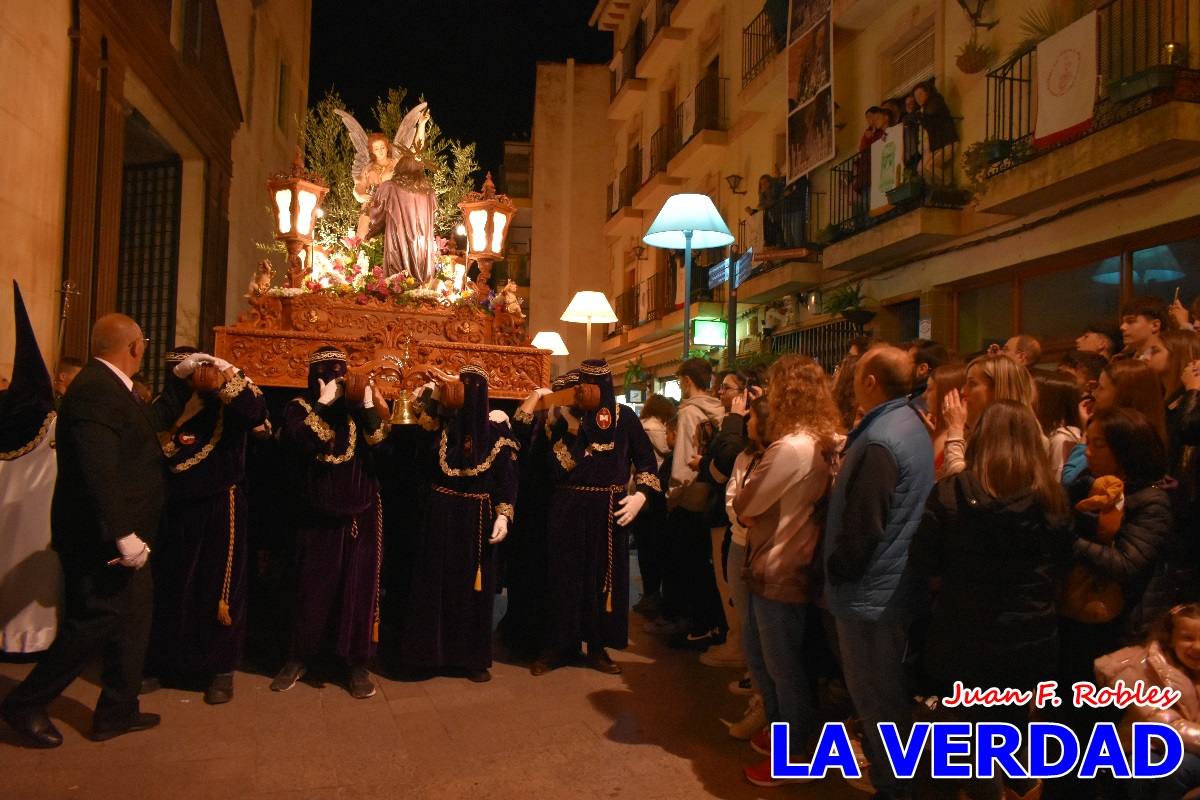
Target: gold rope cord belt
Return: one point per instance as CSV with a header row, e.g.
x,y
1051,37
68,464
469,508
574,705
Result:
x,y
485,503
223,604
612,492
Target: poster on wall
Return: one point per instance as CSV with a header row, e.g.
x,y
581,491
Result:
x,y
810,86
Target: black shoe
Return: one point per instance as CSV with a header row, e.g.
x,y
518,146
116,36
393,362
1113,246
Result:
x,y
34,726
139,721
540,667
360,683
286,678
220,689
600,662
478,675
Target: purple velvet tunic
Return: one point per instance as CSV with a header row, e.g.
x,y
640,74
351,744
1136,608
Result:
x,y
201,556
402,209
448,615
588,552
339,528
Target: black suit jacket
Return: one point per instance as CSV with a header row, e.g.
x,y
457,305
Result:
x,y
110,467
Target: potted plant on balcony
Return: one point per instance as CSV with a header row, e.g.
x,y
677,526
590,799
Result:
x,y
848,301
974,57
635,375
912,188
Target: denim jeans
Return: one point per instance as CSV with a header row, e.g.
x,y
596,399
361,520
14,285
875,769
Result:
x,y
872,663
735,561
774,642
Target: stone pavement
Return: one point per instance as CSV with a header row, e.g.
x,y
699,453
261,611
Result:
x,y
653,733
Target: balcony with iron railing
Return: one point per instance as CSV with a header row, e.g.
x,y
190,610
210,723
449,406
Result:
x,y
662,42
783,237
699,130
649,310
626,88
1146,114
825,342
918,206
657,183
623,218
762,40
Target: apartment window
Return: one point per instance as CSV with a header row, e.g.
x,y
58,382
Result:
x,y
909,63
281,98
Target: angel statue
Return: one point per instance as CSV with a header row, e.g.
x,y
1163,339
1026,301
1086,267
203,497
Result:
x,y
398,199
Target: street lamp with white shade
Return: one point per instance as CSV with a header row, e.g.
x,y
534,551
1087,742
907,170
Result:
x,y
687,221
550,340
589,307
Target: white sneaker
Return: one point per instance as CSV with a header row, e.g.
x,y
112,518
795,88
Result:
x,y
724,655
753,722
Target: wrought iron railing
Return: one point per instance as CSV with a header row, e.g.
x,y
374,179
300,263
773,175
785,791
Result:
x,y
1142,46
660,19
631,53
703,110
662,149
826,343
761,42
626,308
927,179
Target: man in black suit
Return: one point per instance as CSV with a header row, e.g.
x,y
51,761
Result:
x,y
107,502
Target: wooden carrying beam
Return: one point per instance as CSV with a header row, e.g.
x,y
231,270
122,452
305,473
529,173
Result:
x,y
585,396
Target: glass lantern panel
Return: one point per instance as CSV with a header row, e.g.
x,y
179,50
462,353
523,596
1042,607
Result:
x,y
499,223
477,220
283,209
304,217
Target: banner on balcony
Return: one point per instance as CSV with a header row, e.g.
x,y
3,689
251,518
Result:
x,y
810,87
1066,90
887,167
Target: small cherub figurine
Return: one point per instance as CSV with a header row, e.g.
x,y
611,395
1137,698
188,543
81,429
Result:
x,y
260,281
509,300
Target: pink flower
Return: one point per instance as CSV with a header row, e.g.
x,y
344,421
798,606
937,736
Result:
x,y
361,299
377,272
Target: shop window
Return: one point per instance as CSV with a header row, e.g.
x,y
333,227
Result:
x,y
1056,306
1160,270
984,316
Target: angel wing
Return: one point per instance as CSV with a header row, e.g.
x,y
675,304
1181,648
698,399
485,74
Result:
x,y
406,134
358,137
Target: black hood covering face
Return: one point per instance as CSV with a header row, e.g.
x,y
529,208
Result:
x,y
469,434
326,363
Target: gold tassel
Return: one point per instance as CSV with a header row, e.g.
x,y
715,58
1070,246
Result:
x,y
375,631
223,613
608,602
223,616
479,579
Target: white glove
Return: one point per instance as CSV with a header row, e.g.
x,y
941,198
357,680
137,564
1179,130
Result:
x,y
185,368
527,405
329,391
221,364
134,552
499,530
368,397
630,506
499,417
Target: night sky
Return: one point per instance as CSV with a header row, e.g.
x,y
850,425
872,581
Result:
x,y
474,61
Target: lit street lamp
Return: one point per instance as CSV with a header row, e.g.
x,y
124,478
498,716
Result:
x,y
486,216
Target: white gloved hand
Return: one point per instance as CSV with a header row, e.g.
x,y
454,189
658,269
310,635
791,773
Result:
x,y
499,530
629,507
185,368
221,364
328,392
499,417
528,404
134,552
369,397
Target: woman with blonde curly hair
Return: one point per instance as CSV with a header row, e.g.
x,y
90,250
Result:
x,y
992,377
777,507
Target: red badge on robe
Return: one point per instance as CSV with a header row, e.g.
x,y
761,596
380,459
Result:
x,y
187,439
604,419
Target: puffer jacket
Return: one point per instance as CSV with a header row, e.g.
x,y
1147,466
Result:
x,y
999,560
1135,555
1150,663
781,502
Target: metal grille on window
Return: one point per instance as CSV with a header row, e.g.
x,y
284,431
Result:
x,y
147,278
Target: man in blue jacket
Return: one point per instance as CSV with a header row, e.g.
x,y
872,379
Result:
x,y
875,506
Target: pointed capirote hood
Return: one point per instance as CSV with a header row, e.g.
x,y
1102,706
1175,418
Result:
x,y
27,408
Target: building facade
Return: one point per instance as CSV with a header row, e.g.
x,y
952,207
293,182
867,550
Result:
x,y
141,136
986,236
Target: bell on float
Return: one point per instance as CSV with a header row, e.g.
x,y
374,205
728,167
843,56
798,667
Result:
x,y
402,410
